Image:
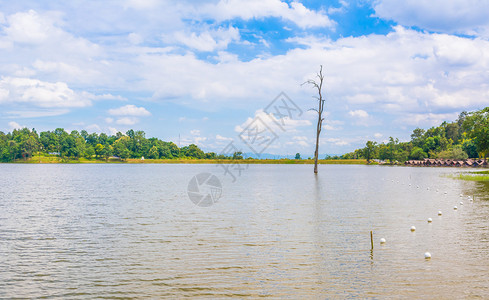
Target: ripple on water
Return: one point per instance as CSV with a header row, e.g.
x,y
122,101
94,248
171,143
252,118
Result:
x,y
122,231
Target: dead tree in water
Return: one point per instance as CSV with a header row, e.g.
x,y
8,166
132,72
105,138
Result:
x,y
318,85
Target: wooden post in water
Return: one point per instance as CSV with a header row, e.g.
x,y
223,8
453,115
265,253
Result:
x,y
372,239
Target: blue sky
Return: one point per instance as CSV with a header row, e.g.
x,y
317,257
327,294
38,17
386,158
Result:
x,y
202,71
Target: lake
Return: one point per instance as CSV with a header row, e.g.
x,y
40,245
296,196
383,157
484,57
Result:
x,y
277,231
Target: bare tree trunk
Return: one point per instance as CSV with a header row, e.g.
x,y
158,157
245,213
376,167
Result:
x,y
319,110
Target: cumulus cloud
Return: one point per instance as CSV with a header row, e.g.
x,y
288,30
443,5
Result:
x,y
223,138
209,40
337,141
41,31
39,93
129,110
14,125
358,113
454,16
296,12
128,114
127,121
195,132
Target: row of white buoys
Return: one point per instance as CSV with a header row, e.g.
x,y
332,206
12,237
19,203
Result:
x,y
427,255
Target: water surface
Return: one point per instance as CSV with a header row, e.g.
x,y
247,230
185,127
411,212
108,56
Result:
x,y
278,231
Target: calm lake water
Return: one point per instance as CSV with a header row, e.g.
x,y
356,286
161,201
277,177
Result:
x,y
106,231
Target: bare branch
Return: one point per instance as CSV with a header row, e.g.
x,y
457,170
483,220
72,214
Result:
x,y
318,84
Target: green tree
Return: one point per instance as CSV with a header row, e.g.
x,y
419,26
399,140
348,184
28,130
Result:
x,y
477,128
469,147
99,150
368,151
418,154
455,153
452,132
297,156
153,153
417,136
89,152
238,155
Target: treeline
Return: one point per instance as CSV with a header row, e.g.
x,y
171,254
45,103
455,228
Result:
x,y
24,143
467,137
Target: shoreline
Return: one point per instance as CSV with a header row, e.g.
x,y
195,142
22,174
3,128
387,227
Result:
x,y
59,160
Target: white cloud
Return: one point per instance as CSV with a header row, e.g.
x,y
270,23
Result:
x,y
337,141
267,122
129,110
358,113
199,140
141,4
296,12
426,119
42,32
378,135
93,127
135,38
127,121
40,93
113,131
29,28
195,132
301,141
14,125
36,113
209,40
454,16
223,138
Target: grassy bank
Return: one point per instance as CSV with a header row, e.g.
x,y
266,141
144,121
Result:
x,y
59,160
473,176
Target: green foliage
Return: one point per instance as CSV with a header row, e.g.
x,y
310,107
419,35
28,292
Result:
x,y
24,143
297,156
455,153
468,136
238,155
369,150
476,125
418,154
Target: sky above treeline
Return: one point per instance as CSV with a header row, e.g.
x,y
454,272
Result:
x,y
201,72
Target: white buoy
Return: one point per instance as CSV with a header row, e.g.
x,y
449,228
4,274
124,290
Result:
x,y
446,193
430,220
427,255
455,207
439,212
461,203
382,241
413,228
